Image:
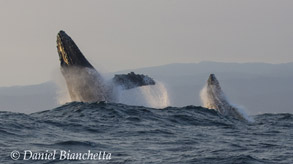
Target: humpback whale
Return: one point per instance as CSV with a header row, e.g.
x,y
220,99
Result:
x,y
84,82
213,97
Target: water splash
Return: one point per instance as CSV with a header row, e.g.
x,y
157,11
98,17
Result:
x,y
62,95
155,96
85,84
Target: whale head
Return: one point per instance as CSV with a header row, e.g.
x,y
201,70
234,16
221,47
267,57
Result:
x,y
213,80
84,82
69,53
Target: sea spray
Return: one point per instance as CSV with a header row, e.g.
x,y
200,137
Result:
x,y
83,85
62,95
151,96
155,96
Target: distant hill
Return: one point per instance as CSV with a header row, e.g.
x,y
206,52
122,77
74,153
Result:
x,y
28,99
259,87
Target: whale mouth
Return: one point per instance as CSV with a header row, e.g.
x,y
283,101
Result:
x,y
69,53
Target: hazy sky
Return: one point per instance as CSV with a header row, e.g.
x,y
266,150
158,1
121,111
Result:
x,y
124,34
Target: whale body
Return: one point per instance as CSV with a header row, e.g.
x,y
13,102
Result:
x,y
84,82
213,97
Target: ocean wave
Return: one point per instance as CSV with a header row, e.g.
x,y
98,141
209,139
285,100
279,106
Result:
x,y
137,134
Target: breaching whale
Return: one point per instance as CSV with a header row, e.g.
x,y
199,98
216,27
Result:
x,y
213,97
84,82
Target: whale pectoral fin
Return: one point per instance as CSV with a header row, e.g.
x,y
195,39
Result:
x,y
132,80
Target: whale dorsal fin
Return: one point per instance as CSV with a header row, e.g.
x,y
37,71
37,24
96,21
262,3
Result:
x,y
132,80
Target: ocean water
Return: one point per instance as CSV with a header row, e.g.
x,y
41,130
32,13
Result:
x,y
136,134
